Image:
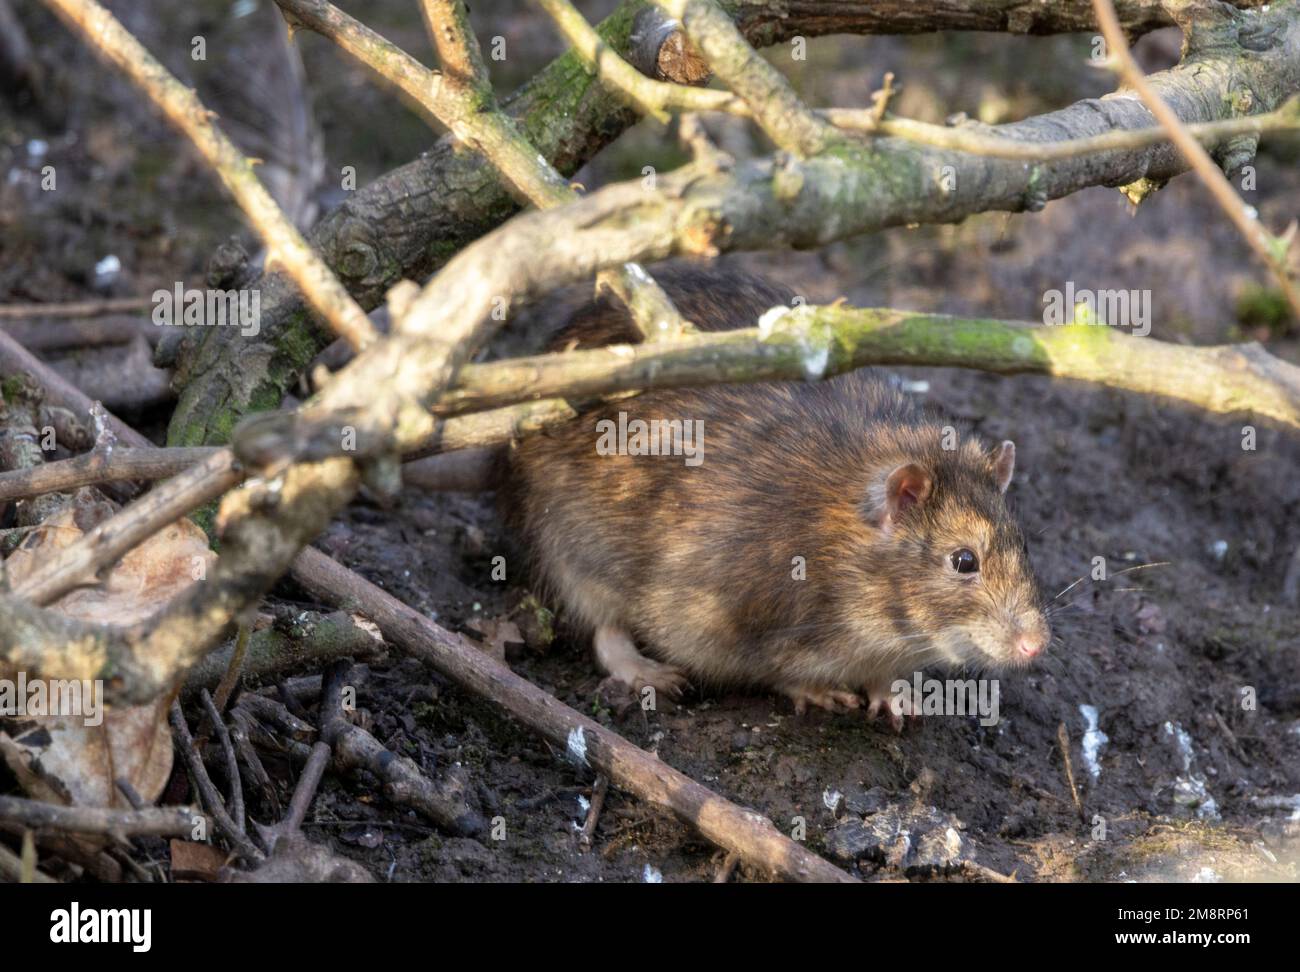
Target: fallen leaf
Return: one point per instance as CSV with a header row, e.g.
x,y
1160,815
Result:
x,y
193,861
497,633
76,758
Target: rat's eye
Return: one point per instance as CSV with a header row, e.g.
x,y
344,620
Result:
x,y
964,561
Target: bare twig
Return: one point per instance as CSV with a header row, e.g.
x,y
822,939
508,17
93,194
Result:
x,y
312,640
183,109
151,821
1270,249
305,791
314,769
77,308
467,471
458,50
652,97
472,115
15,359
441,801
94,468
80,563
239,734
976,142
234,669
235,802
232,831
61,335
734,828
775,107
1063,743
598,793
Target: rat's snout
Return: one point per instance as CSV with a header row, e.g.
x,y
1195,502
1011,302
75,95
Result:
x,y
1029,640
1028,645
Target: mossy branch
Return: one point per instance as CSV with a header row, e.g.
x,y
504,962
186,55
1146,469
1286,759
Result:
x,y
817,342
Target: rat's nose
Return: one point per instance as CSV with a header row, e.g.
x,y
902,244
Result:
x,y
1028,644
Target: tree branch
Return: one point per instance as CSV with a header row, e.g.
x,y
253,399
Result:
x,y
772,102
1267,247
830,340
183,109
410,221
470,111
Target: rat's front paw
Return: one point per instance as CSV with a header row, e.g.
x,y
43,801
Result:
x,y
646,671
828,699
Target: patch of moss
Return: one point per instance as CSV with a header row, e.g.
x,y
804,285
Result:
x,y
1264,308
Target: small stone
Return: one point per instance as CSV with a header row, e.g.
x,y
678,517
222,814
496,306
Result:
x,y
850,841
862,802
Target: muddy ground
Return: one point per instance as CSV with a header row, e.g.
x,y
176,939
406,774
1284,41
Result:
x,y
1191,783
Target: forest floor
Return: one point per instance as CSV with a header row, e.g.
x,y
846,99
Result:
x,y
1190,783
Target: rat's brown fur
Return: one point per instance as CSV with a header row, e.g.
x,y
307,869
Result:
x,y
699,564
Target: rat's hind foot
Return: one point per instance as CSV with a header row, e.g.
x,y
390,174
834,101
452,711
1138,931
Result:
x,y
883,701
828,699
617,656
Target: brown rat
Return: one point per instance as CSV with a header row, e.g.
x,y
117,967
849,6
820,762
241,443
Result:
x,y
815,538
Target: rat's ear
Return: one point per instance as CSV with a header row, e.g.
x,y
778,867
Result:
x,y
1004,464
907,486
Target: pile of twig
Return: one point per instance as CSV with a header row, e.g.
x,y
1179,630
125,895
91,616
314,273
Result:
x,y
285,475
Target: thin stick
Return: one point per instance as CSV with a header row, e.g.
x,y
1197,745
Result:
x,y
208,791
14,359
285,245
775,106
97,467
652,97
74,333
448,24
1223,378
79,564
1063,741
244,746
77,308
472,115
1269,248
231,678
976,142
598,792
404,783
235,803
150,822
734,828
305,792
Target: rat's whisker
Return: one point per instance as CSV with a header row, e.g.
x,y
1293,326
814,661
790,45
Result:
x,y
1072,586
1126,570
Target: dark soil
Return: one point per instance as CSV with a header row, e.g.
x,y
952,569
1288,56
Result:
x,y
1198,646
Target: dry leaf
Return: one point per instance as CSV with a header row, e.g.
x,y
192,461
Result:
x,y
497,633
60,757
196,862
